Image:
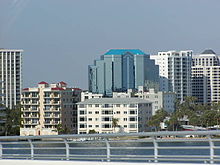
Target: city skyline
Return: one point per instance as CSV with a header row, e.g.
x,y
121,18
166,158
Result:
x,y
58,44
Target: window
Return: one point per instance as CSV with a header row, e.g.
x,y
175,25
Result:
x,y
132,119
106,126
81,106
125,119
132,126
82,119
107,106
117,112
125,112
90,105
90,119
96,119
117,105
81,112
96,112
82,132
46,94
97,126
107,112
96,105
106,119
132,106
47,107
82,126
90,126
132,112
125,126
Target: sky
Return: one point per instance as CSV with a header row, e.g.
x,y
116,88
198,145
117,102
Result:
x,y
60,38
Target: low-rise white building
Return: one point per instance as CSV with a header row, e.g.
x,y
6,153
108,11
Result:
x,y
97,115
159,99
165,100
89,95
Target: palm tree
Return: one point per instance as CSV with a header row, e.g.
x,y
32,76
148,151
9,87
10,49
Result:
x,y
114,123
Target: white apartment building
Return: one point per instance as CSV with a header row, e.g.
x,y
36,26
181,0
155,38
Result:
x,y
159,99
175,72
11,76
206,77
46,107
97,114
89,95
128,94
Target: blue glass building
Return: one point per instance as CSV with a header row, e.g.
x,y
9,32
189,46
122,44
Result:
x,y
121,69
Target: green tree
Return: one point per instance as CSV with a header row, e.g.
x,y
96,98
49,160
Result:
x,y
92,131
159,117
13,121
114,123
62,130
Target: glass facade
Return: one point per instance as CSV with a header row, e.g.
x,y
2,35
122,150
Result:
x,y
121,69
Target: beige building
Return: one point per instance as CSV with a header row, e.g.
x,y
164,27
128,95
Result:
x,y
46,107
97,114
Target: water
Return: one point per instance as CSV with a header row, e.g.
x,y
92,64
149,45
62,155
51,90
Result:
x,y
97,151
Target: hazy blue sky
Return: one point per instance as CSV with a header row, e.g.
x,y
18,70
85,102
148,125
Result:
x,y
61,38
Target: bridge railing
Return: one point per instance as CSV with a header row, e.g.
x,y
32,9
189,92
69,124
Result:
x,y
176,147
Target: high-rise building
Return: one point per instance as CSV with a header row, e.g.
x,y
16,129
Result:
x,y
121,69
47,107
175,72
11,76
206,77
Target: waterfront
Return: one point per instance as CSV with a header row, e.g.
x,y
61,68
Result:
x,y
135,150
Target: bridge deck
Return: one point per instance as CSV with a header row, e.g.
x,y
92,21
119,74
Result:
x,y
42,162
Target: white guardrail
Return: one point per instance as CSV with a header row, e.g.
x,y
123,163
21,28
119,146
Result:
x,y
162,147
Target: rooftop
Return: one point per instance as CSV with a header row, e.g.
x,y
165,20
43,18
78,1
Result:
x,y
208,51
114,101
42,82
123,51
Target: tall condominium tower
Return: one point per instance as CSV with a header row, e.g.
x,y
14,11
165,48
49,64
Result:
x,y
206,77
121,69
11,76
175,72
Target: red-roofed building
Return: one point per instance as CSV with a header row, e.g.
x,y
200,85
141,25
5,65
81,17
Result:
x,y
47,106
42,82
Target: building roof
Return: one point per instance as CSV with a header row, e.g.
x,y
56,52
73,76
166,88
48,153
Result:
x,y
114,101
57,89
208,51
123,51
42,82
63,83
77,89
